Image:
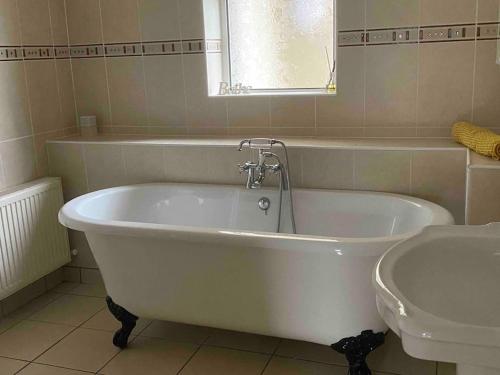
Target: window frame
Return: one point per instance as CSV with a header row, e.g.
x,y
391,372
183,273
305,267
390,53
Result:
x,y
227,71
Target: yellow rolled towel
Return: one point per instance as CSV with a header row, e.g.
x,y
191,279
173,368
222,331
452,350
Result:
x,y
480,140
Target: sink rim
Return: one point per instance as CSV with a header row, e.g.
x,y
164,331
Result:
x,y
413,320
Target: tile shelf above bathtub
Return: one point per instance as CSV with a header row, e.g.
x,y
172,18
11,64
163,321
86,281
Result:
x,y
393,144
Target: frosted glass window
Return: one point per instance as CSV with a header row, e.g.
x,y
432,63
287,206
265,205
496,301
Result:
x,y
280,44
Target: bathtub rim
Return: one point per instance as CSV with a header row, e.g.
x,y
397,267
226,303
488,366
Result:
x,y
71,218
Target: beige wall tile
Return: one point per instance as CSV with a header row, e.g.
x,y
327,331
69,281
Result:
x,y
71,278
18,161
14,108
159,20
483,202
390,132
439,177
387,171
83,349
444,94
488,11
166,99
443,12
66,161
127,91
144,164
28,339
84,21
487,85
391,13
44,95
55,278
35,22
249,112
66,93
391,85
171,131
293,132
124,130
120,21
328,169
151,356
347,107
290,112
202,111
434,132
58,22
191,19
42,160
352,132
249,132
105,166
213,165
351,14
215,361
91,89
10,33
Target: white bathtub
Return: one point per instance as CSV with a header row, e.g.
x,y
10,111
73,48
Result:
x,y
206,255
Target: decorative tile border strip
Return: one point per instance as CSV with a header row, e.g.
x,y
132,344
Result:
x,y
171,47
34,53
370,37
422,34
175,47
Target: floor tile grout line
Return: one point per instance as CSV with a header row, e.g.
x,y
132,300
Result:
x,y
271,356
69,333
22,368
61,367
194,354
189,359
237,349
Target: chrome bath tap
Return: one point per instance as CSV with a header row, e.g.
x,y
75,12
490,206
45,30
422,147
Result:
x,y
256,171
268,162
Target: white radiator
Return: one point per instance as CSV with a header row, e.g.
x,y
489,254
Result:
x,y
32,242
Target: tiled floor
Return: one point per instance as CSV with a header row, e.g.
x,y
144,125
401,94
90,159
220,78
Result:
x,y
68,331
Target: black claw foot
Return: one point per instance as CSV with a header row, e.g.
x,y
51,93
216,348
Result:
x,y
128,321
356,349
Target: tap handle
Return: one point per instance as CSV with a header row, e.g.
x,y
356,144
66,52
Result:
x,y
245,166
258,143
261,143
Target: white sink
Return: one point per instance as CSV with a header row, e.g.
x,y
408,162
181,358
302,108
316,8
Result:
x,y
440,292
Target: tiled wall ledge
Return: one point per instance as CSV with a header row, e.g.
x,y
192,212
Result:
x,y
483,186
434,170
392,144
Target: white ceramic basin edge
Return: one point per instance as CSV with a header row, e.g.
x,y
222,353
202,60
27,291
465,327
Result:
x,y
410,318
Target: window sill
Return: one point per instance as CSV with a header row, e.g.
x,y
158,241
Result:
x,y
306,92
